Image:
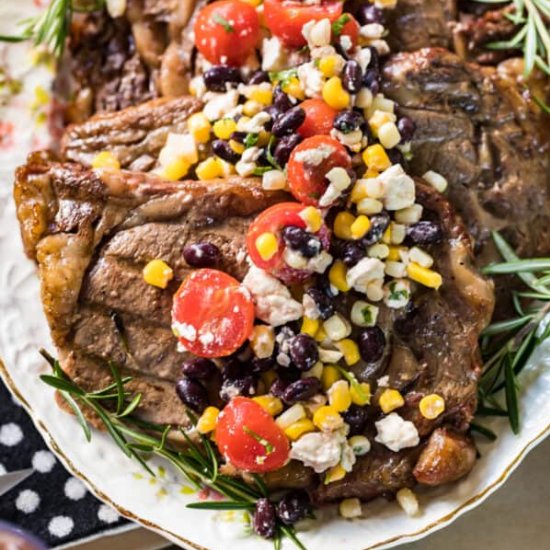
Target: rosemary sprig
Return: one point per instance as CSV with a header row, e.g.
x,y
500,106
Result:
x,y
138,439
51,28
532,37
507,345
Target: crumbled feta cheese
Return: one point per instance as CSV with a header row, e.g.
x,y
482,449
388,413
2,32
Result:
x,y
330,196
372,30
397,293
255,125
345,42
218,105
322,451
365,271
179,146
384,381
363,57
311,79
353,139
339,178
381,46
247,164
273,302
274,180
184,330
310,307
314,157
283,340
273,54
319,262
398,188
396,433
317,33
294,259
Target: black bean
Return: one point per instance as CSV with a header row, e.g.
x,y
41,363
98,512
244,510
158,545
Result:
x,y
281,100
395,156
201,254
374,59
262,365
371,344
348,121
192,394
368,13
303,352
259,76
245,386
406,128
293,507
233,368
353,253
274,113
323,302
288,122
239,136
299,239
224,151
284,147
356,418
301,390
264,519
425,232
371,80
198,368
278,387
378,224
352,76
216,77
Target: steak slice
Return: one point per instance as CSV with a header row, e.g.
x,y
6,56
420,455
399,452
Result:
x,y
92,234
480,131
433,348
135,135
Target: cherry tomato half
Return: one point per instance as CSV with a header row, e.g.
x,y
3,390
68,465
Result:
x,y
285,18
319,118
351,28
307,180
273,220
249,438
227,31
212,313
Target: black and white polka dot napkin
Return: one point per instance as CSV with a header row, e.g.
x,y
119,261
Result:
x,y
51,504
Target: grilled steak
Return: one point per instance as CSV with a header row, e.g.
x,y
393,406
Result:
x,y
479,131
433,350
91,237
135,135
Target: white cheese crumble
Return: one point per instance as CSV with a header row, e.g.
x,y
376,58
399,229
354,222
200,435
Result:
x,y
314,157
396,433
274,180
322,451
247,163
255,125
317,33
179,146
273,54
184,330
397,187
311,79
273,303
310,307
363,57
218,105
364,272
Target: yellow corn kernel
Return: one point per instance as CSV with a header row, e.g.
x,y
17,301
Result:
x,y
350,350
208,169
106,159
310,326
262,341
359,192
175,169
424,276
236,146
273,405
262,95
263,138
207,422
267,245
386,236
268,378
378,119
321,334
339,396
395,253
375,157
327,419
224,128
431,406
226,169
350,508
342,224
334,94
251,108
158,273
328,65
313,218
390,400
253,3
371,173
298,429
360,227
330,375
337,276
360,396
199,127
336,473
293,87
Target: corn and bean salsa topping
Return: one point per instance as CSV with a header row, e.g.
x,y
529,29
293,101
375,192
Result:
x,y
306,116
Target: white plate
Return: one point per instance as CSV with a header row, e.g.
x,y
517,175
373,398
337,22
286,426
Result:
x,y
160,503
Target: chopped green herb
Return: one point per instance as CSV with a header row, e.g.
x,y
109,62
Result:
x,y
261,170
250,140
221,20
261,440
338,25
283,76
397,294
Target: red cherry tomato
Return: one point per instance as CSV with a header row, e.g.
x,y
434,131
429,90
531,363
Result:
x,y
212,313
285,18
351,28
307,180
227,31
249,438
319,118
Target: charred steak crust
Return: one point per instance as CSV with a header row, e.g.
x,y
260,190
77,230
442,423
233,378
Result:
x,y
91,235
490,142
434,349
135,135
